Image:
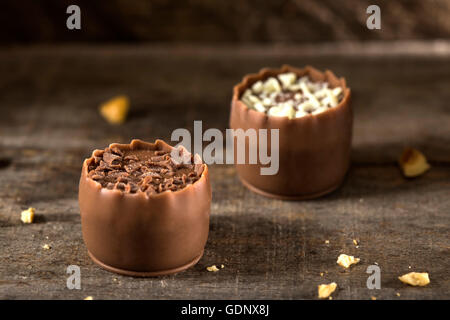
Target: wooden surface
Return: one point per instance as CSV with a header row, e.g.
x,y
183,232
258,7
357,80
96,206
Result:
x,y
271,249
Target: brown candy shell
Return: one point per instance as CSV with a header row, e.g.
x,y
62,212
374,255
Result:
x,y
144,233
314,150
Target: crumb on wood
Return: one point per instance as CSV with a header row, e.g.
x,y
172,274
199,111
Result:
x,y
325,290
346,261
415,279
413,163
27,216
116,109
212,268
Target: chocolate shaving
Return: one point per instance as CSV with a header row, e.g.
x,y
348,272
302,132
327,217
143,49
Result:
x,y
159,158
111,159
117,151
132,171
161,152
131,157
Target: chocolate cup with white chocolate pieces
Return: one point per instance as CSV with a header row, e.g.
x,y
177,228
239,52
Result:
x,y
314,147
142,212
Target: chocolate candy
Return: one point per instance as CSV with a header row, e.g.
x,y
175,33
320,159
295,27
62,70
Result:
x,y
314,147
144,213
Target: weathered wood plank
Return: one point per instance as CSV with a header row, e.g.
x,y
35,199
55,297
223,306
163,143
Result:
x,y
271,249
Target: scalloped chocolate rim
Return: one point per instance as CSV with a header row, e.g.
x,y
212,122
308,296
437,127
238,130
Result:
x,y
249,79
139,144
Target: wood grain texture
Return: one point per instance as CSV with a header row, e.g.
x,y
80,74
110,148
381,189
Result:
x,y
271,249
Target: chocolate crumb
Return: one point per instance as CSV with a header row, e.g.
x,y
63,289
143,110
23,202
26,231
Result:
x,y
145,170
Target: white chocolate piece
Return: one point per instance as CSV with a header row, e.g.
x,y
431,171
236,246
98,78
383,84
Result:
x,y
332,98
253,99
306,107
326,102
258,87
320,110
247,93
307,97
337,91
284,110
271,85
267,102
303,79
300,113
294,87
310,96
321,93
287,79
259,107
274,112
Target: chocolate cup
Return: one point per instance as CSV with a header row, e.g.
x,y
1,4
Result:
x,y
314,150
139,235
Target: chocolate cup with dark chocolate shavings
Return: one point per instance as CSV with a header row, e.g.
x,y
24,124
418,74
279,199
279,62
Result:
x,y
314,150
142,234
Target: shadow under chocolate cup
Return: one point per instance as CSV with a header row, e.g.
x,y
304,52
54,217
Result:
x,y
137,234
314,150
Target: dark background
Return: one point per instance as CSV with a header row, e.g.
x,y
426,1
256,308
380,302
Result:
x,y
208,21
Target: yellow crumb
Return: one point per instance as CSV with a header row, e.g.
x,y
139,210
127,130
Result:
x,y
46,247
413,163
325,290
355,242
213,268
321,274
222,266
327,241
373,298
27,216
29,152
116,109
415,279
346,261
398,294
89,298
